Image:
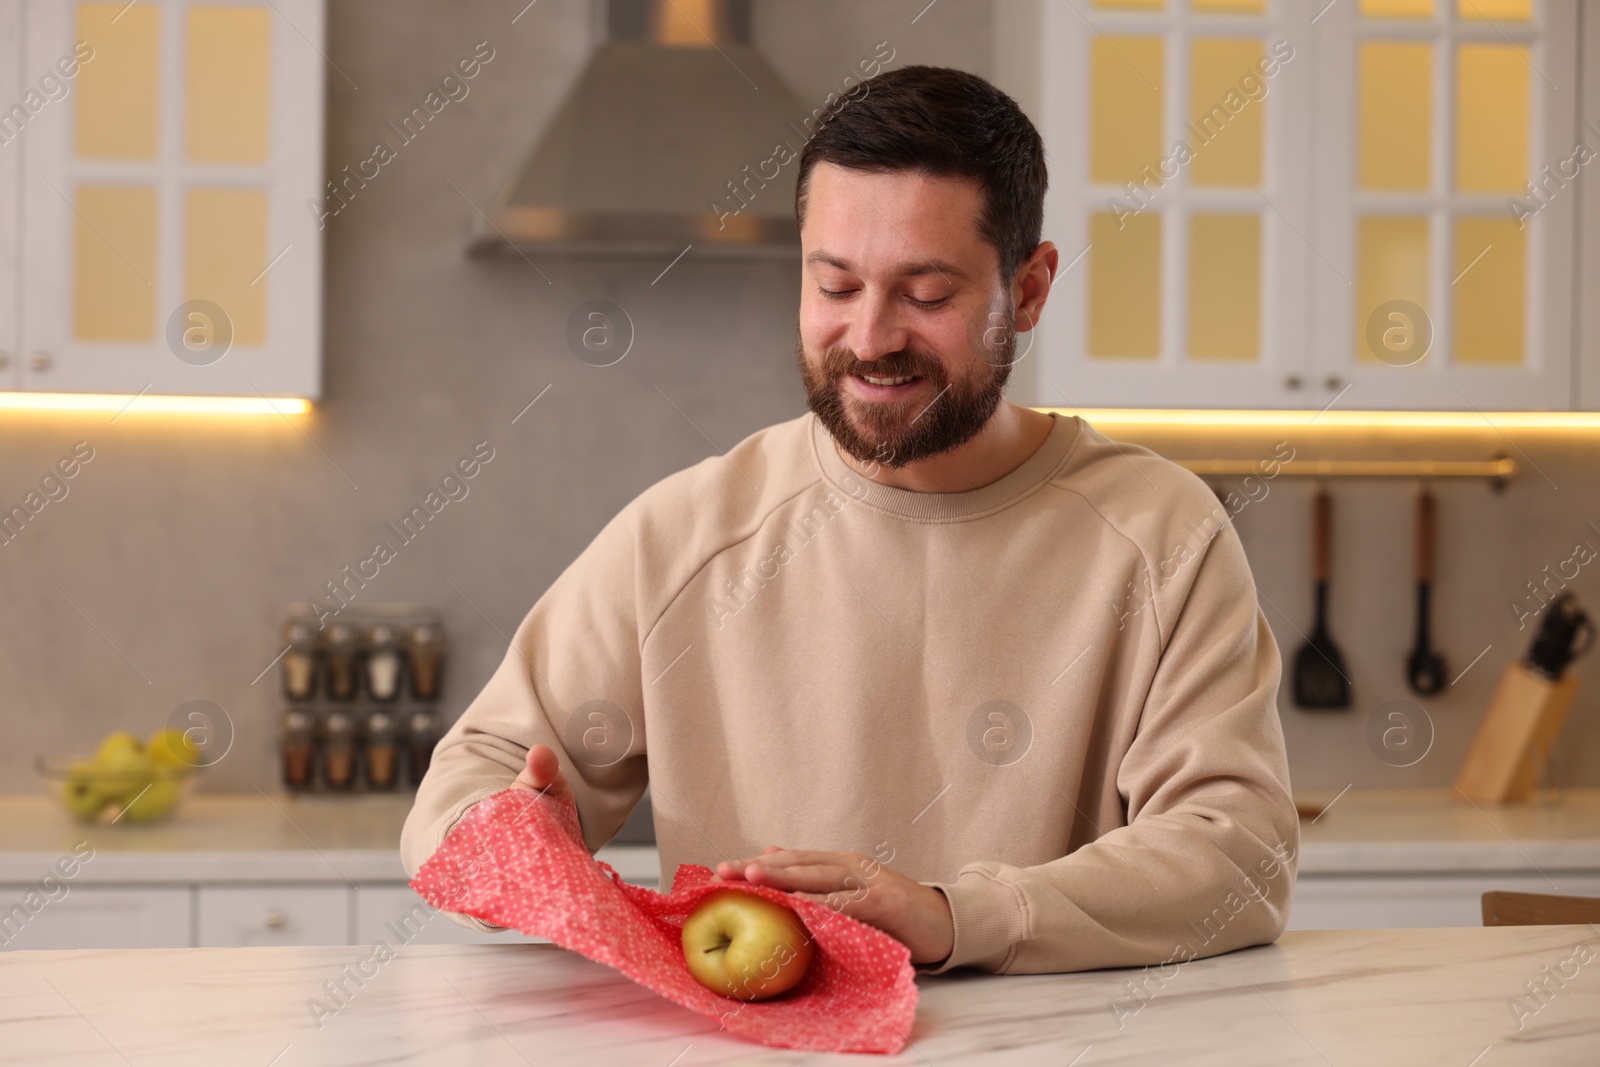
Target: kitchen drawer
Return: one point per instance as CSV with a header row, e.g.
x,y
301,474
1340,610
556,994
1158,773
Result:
x,y
395,915
238,916
1373,902
97,917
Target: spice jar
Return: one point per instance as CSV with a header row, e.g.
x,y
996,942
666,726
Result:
x,y
427,659
384,660
381,756
342,661
299,745
339,749
299,663
422,735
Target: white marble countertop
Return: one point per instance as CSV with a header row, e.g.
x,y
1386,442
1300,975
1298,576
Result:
x,y
1357,997
1438,830
235,837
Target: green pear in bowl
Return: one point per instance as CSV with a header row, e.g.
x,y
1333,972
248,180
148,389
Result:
x,y
172,757
116,744
81,792
120,765
171,748
153,800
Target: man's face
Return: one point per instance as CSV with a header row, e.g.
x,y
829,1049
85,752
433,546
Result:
x,y
916,294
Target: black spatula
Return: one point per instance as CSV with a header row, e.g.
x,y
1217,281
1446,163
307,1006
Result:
x,y
1320,682
1425,668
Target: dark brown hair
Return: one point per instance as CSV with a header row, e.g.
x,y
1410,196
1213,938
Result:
x,y
944,123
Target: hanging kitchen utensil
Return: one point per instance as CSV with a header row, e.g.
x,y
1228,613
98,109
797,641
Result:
x,y
1320,681
1425,668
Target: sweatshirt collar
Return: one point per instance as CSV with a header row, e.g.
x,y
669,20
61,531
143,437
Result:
x,y
945,507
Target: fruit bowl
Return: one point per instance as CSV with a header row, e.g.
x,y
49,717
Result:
x,y
125,781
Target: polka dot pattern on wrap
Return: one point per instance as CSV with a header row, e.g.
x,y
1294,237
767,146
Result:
x,y
517,859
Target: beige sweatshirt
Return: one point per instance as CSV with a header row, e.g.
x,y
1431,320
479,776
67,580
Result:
x,y
1052,697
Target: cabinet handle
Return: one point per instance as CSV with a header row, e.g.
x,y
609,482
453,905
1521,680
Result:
x,y
5,360
274,919
1293,381
1332,381
39,361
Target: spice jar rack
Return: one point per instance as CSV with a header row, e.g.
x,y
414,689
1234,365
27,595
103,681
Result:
x,y
361,693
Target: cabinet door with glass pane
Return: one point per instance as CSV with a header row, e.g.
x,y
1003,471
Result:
x,y
13,122
1446,279
1178,150
166,245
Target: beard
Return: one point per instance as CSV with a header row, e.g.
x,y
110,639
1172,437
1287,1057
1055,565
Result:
x,y
926,423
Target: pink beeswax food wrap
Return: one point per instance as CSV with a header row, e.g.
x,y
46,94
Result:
x,y
517,859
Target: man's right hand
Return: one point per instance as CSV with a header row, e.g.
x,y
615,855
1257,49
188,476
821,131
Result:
x,y
542,774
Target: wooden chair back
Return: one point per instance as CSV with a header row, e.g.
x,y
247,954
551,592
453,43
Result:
x,y
1538,909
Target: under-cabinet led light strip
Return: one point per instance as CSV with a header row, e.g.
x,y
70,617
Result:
x,y
147,404
1156,418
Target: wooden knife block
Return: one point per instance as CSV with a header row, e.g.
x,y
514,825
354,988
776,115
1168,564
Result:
x,y
1522,722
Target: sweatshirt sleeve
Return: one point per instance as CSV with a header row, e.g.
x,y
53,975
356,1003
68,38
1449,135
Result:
x,y
571,680
1205,863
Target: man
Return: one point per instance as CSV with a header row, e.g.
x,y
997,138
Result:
x,y
974,674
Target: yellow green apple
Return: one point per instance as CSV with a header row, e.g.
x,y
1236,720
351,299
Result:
x,y
116,745
81,791
148,805
172,748
120,764
744,946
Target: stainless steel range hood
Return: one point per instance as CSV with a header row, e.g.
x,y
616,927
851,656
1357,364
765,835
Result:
x,y
678,132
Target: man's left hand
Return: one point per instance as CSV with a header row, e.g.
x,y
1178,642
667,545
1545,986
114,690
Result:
x,y
917,915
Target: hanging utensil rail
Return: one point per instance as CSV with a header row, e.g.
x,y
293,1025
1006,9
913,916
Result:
x,y
1497,470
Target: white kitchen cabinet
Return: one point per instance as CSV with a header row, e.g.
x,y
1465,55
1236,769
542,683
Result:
x,y
232,916
1227,239
164,230
91,916
1588,187
1142,312
12,125
395,915
1439,230
1365,902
